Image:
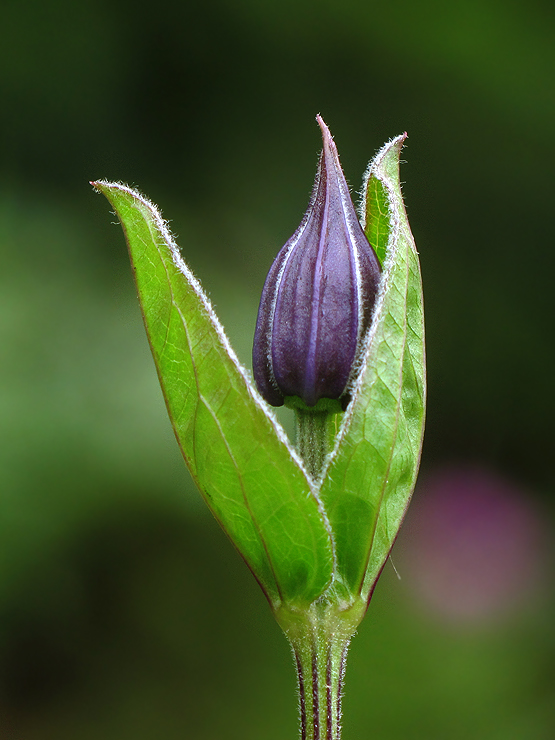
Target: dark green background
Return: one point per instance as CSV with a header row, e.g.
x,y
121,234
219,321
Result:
x,y
124,612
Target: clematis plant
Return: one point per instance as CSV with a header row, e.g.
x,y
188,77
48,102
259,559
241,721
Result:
x,y
340,339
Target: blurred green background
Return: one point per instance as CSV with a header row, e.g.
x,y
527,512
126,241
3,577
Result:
x,y
124,611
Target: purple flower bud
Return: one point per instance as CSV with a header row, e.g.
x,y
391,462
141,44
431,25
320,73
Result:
x,y
318,297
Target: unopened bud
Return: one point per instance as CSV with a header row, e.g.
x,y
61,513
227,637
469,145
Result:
x,y
318,298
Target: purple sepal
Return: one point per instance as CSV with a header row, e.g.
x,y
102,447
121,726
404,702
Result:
x,y
318,297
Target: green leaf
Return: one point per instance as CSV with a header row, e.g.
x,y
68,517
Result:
x,y
377,221
238,455
372,470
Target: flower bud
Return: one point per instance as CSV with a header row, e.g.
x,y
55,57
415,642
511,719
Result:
x,y
318,297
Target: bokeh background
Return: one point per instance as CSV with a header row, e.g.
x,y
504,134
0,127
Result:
x,y
124,611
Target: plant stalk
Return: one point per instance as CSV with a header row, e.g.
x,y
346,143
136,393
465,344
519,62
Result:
x,y
315,434
320,633
320,638
320,670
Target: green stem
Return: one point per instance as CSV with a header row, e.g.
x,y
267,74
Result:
x,y
320,637
320,668
315,433
320,632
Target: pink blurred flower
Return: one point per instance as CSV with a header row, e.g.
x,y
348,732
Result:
x,y
474,544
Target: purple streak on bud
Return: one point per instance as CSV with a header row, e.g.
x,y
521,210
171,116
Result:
x,y
318,297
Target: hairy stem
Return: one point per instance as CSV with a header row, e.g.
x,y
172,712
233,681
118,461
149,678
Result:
x,y
320,637
315,432
320,667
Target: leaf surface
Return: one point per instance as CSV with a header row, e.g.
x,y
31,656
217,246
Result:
x,y
238,455
371,474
